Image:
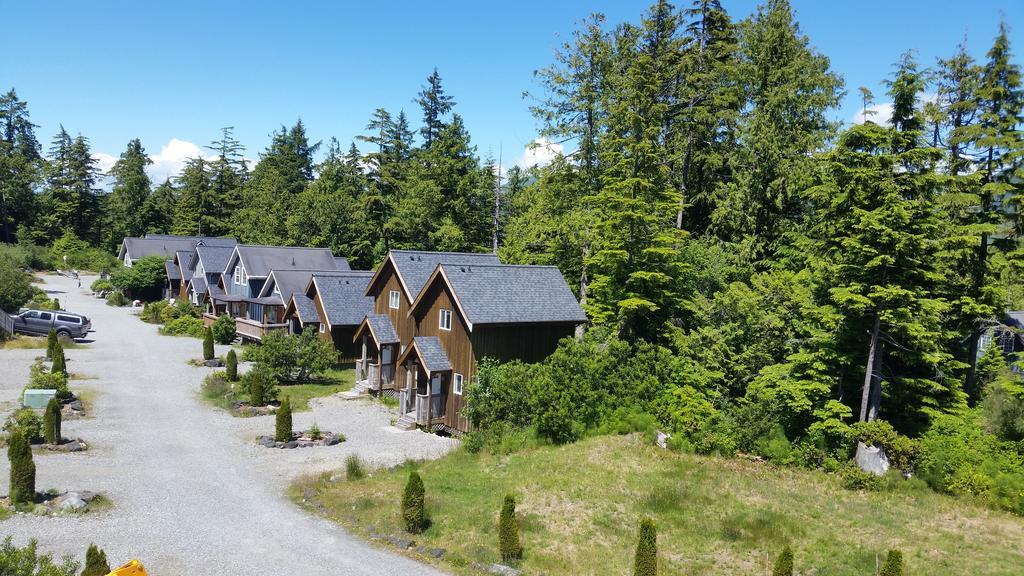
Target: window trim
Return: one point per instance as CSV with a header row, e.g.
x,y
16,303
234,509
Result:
x,y
323,328
444,314
394,299
238,275
458,381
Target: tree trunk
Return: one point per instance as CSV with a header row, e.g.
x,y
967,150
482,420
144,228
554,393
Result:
x,y
867,396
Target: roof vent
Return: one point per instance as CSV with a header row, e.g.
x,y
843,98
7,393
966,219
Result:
x,y
293,260
462,268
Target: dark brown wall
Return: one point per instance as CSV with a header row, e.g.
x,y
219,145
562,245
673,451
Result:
x,y
455,342
404,325
348,351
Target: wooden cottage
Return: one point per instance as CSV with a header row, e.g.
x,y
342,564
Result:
x,y
339,302
207,270
385,333
466,313
267,311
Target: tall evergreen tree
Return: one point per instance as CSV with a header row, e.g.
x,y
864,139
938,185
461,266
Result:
x,y
21,165
70,196
131,188
435,105
192,204
228,173
158,212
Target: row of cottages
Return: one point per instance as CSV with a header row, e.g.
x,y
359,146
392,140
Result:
x,y
175,250
432,317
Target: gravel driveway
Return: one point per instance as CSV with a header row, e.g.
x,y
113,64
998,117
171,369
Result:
x,y
192,493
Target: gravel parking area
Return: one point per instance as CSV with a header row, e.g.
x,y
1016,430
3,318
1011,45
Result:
x,y
192,493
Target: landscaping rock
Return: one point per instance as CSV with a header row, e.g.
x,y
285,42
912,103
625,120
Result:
x,y
661,438
331,440
502,570
872,459
266,441
402,543
292,444
215,363
437,553
72,503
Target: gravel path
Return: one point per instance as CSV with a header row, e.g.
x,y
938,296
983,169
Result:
x,y
192,493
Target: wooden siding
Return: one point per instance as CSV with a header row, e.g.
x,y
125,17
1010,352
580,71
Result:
x,y
456,344
405,326
348,351
528,343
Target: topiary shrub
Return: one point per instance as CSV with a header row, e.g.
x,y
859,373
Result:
x,y
51,343
784,563
95,562
646,563
893,564
208,344
60,363
354,468
23,470
224,329
51,422
231,365
508,531
413,513
283,422
261,386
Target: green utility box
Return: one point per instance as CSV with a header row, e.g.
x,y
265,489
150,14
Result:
x,y
38,399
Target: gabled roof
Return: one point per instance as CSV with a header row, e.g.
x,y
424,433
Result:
x,y
214,258
341,263
414,266
380,328
430,352
258,261
288,282
166,245
303,307
507,294
198,284
343,296
172,270
183,259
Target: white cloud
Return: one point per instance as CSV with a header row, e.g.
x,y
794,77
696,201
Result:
x,y
882,113
171,159
540,152
104,161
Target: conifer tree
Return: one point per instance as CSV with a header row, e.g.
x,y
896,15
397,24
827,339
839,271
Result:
x,y
131,188
413,512
893,564
283,421
95,562
159,209
784,563
23,470
208,352
646,562
435,105
228,173
60,365
231,365
21,167
52,422
508,531
192,203
51,343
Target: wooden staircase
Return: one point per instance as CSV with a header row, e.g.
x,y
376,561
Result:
x,y
361,389
406,422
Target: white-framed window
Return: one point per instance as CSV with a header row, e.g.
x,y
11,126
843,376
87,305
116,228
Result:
x,y
323,327
445,319
238,275
457,384
394,299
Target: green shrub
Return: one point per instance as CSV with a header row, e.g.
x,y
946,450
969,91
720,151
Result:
x,y
51,343
900,450
354,468
293,358
70,252
646,563
152,312
784,563
314,432
166,313
224,329
261,386
22,487
56,304
184,308
60,362
853,478
500,438
508,531
101,286
40,300
231,365
95,562
208,344
1003,404
283,422
26,421
117,299
15,285
186,326
143,279
51,422
40,378
893,564
27,561
413,513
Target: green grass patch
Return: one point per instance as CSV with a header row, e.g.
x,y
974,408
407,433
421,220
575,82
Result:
x,y
218,392
580,506
22,342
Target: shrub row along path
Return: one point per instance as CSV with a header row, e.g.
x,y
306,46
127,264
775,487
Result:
x,y
191,492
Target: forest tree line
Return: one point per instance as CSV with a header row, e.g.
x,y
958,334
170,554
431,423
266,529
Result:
x,y
782,273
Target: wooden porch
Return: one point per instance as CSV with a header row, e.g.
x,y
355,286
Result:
x,y
252,330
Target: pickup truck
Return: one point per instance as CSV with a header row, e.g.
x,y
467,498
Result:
x,y
39,322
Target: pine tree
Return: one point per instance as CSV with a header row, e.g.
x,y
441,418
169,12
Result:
x,y
784,563
159,209
192,203
52,422
70,196
228,173
436,105
95,562
51,343
231,365
21,167
646,563
131,188
208,352
893,564
508,531
413,513
23,471
283,421
60,364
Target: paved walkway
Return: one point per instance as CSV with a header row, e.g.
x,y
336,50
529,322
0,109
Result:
x,y
192,493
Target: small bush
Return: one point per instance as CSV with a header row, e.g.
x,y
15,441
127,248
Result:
x,y
293,358
508,531
56,304
26,421
208,344
95,562
101,286
51,422
116,298
23,470
231,365
164,314
60,362
354,468
152,312
646,563
413,513
51,343
42,379
900,450
224,329
314,432
784,563
186,326
261,386
853,478
283,422
28,561
893,564
183,308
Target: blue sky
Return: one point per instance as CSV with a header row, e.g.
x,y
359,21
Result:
x,y
173,73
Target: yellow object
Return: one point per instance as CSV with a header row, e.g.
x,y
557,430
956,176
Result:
x,y
133,568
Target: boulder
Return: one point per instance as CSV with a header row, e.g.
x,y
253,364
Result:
x,y
437,552
266,441
75,446
331,440
402,543
72,503
215,363
661,438
872,459
292,444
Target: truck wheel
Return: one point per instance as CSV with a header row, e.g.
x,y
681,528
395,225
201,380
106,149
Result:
x,y
65,337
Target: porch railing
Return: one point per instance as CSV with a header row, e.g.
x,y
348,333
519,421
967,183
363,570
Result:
x,y
387,376
361,369
404,401
436,408
373,378
255,330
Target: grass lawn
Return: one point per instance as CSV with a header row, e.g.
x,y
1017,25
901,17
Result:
x,y
579,507
22,342
338,379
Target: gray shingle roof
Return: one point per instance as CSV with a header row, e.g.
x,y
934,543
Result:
x,y
260,260
342,263
508,294
198,284
172,270
432,356
343,295
305,308
382,328
166,245
214,258
184,257
415,267
290,282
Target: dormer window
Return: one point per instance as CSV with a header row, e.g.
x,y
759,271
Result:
x,y
394,299
238,275
445,319
277,290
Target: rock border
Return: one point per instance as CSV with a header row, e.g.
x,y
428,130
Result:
x,y
302,440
